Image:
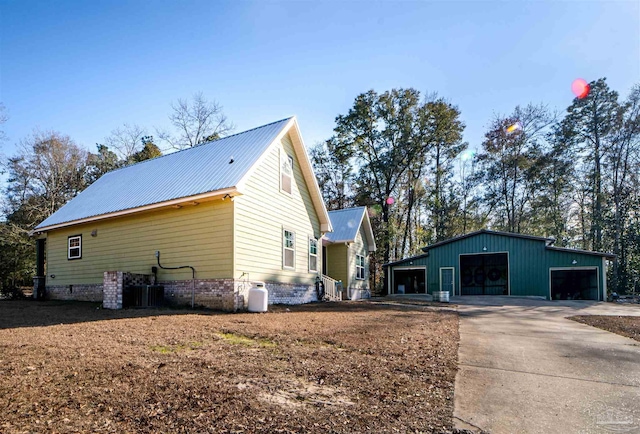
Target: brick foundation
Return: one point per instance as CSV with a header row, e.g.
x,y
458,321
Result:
x,y
217,294
229,295
291,293
232,295
74,292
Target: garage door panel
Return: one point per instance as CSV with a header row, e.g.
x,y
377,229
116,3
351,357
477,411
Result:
x,y
574,284
484,274
409,281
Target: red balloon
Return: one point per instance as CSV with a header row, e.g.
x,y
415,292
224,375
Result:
x,y
580,88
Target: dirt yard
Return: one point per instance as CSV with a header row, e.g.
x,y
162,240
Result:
x,y
347,367
628,326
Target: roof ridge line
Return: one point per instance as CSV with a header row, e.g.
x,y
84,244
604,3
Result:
x,y
348,209
197,146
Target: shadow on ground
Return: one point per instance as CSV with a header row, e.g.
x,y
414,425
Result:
x,y
36,313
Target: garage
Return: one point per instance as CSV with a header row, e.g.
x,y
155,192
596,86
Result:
x,y
410,280
490,263
484,274
574,284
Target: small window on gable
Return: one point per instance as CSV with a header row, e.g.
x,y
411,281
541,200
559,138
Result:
x,y
288,249
286,172
313,255
359,267
74,244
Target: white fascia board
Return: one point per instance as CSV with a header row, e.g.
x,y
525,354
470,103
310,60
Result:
x,y
218,194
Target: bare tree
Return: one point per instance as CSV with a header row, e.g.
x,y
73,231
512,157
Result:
x,y
195,121
4,117
48,170
126,140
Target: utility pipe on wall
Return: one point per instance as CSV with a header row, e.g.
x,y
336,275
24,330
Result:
x,y
193,277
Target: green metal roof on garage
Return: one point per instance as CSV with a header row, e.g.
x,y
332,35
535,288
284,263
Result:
x,y
548,245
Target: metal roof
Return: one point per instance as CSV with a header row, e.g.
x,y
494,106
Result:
x,y
581,252
198,170
547,246
346,224
487,231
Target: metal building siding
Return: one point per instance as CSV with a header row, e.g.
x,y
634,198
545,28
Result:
x,y
448,255
562,259
529,262
193,171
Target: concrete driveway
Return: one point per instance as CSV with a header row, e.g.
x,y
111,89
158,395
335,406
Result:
x,y
524,368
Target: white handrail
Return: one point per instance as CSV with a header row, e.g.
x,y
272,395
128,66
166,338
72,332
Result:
x,y
331,288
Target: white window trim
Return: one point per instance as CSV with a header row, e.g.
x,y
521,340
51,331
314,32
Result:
x,y
284,154
74,237
364,270
311,270
285,248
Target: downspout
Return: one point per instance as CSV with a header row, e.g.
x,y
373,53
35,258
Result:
x,y
193,277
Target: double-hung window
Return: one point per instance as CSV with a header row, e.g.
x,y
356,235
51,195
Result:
x,y
288,248
359,267
313,255
74,247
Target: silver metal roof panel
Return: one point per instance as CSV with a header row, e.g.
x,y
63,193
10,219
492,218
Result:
x,y
346,223
201,169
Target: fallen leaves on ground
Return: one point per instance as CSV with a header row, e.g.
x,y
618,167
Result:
x,y
318,368
628,326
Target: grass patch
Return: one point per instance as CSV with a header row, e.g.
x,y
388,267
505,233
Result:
x,y
237,339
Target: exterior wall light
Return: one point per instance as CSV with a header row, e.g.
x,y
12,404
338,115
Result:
x,y
574,262
484,249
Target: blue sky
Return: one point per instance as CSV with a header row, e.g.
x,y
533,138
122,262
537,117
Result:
x,y
86,67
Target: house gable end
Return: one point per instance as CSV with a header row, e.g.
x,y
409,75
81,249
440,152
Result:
x,y
264,212
292,130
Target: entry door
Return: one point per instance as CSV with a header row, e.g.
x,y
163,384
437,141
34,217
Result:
x,y
324,260
446,280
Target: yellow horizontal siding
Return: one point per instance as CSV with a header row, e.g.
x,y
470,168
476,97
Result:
x,y
200,236
337,263
262,213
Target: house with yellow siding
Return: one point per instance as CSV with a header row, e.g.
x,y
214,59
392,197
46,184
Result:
x,y
346,250
206,223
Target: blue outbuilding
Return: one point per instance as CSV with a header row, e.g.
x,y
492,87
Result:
x,y
502,263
